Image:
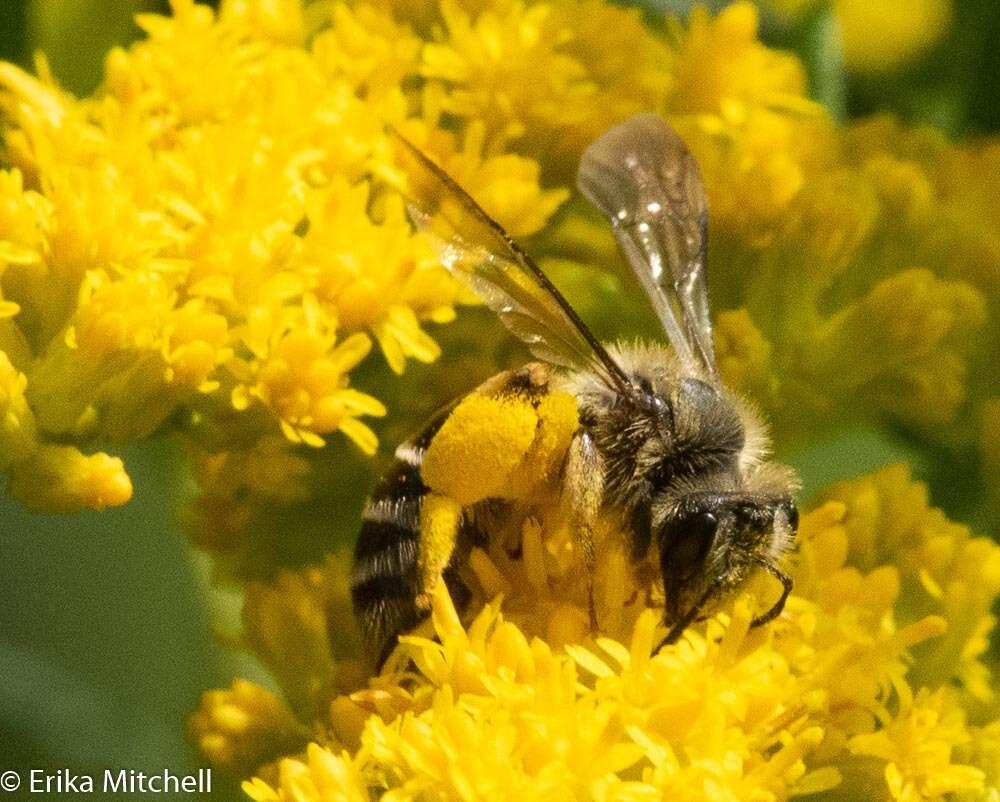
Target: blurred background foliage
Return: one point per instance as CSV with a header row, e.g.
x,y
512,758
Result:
x,y
111,618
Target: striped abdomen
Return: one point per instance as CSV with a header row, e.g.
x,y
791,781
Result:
x,y
384,579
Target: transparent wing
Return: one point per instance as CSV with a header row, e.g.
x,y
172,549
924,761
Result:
x,y
480,254
641,175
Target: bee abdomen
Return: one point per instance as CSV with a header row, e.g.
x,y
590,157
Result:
x,y
384,579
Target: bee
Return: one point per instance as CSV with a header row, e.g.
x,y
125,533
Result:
x,y
663,447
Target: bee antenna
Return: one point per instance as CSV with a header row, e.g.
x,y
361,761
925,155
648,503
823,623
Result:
x,y
779,605
685,621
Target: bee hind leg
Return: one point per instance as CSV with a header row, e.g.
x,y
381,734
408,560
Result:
x,y
583,491
440,524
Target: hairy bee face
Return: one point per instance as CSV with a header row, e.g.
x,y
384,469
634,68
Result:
x,y
710,542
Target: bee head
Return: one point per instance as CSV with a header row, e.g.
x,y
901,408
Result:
x,y
711,542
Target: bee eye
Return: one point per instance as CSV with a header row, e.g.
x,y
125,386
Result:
x,y
687,544
793,517
703,525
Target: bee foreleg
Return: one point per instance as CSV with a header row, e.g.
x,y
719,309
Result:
x,y
778,606
583,493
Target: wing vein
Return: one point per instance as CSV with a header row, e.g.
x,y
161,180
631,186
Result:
x,y
478,252
641,175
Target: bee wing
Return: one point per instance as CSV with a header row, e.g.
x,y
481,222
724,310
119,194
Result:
x,y
479,253
641,175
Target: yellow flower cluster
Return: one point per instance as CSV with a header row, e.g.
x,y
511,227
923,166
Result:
x,y
852,691
941,571
215,243
216,231
238,728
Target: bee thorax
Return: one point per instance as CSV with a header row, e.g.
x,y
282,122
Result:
x,y
680,427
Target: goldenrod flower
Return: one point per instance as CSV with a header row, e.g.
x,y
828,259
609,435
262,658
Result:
x,y
917,748
723,69
552,73
238,728
942,570
725,714
898,32
45,476
288,623
18,429
218,229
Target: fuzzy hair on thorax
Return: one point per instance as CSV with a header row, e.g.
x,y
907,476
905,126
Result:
x,y
692,426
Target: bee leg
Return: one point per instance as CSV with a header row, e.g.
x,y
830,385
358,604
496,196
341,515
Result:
x,y
440,521
583,491
595,626
778,606
692,615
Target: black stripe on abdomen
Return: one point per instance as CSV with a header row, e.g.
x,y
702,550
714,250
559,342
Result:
x,y
386,549
384,581
384,578
402,480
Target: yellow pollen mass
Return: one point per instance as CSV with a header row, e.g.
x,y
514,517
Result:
x,y
482,442
558,421
440,517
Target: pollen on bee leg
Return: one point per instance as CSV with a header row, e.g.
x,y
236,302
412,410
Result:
x,y
613,584
533,555
558,420
440,517
478,448
492,581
